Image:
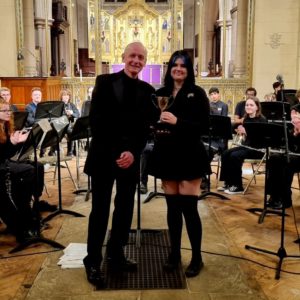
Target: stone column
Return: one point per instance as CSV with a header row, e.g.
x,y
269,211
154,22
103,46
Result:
x,y
226,66
28,51
241,45
233,38
43,22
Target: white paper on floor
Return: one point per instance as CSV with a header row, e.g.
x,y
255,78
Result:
x,y
247,171
73,256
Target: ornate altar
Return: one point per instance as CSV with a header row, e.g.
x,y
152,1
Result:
x,y
136,20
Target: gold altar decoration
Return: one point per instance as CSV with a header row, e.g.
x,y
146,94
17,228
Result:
x,y
92,29
135,20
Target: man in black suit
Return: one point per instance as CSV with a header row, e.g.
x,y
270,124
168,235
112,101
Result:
x,y
119,119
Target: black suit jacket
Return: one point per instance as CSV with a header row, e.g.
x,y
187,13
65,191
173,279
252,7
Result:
x,y
114,127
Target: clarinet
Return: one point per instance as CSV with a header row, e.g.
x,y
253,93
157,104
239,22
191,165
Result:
x,y
8,185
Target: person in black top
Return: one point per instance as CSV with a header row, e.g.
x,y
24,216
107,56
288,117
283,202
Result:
x,y
232,159
239,111
277,87
280,171
17,180
120,120
72,112
179,157
219,108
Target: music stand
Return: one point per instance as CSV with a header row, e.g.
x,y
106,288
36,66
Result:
x,y
287,95
33,140
273,110
20,118
82,130
49,110
138,228
219,127
269,135
153,194
59,128
265,135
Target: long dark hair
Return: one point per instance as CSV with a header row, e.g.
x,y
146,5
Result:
x,y
190,80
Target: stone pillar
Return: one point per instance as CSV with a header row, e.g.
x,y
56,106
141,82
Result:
x,y
241,45
233,38
226,66
43,22
28,51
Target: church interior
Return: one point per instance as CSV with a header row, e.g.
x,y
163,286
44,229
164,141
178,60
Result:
x,y
233,44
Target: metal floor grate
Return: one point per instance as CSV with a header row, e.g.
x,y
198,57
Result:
x,y
150,256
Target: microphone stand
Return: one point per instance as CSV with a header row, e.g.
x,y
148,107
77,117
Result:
x,y
281,252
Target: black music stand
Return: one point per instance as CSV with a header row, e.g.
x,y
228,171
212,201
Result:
x,y
270,135
219,127
265,135
53,137
287,95
33,140
49,110
273,110
138,228
154,194
20,118
82,130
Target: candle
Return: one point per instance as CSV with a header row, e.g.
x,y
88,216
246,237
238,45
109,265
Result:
x,y
217,68
80,72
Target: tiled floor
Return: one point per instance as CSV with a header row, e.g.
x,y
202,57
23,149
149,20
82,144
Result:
x,y
227,228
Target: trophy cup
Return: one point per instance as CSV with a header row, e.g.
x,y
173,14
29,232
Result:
x,y
162,103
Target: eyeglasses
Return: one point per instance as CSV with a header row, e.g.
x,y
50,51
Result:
x,y
6,110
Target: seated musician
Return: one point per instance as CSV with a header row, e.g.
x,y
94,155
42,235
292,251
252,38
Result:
x,y
239,110
217,145
16,179
71,111
280,171
6,95
232,159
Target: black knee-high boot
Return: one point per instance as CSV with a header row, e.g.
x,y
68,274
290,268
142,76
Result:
x,y
174,219
194,229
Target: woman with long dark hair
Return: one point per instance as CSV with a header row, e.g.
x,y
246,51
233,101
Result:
x,y
179,157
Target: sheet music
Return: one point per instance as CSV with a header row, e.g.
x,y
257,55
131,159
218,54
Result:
x,y
73,256
44,124
36,137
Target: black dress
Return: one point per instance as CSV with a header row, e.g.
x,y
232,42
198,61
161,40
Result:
x,y
179,154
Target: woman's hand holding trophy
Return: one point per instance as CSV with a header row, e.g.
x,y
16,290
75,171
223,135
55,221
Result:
x,y
163,103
